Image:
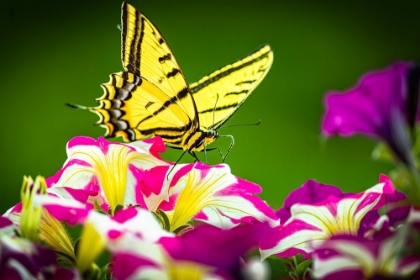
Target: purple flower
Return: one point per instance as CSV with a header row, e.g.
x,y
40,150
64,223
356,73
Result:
x,y
380,106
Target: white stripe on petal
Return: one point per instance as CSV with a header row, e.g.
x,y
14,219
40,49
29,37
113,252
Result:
x,y
232,207
46,200
317,216
323,268
357,252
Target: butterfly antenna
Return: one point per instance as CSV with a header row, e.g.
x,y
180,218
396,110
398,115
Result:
x,y
176,163
230,146
214,108
241,124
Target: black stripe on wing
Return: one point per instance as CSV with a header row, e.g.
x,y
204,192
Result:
x,y
225,73
134,55
173,100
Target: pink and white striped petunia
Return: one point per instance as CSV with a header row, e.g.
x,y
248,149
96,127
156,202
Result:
x,y
7,227
312,223
207,193
138,221
354,257
104,173
102,231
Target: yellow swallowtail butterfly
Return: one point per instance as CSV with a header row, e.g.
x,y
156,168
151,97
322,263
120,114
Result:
x,y
152,96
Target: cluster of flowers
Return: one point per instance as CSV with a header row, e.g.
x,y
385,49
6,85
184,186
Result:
x,y
119,211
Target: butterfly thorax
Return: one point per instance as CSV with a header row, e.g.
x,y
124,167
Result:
x,y
199,139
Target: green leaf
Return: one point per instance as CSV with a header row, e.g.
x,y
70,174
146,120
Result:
x,y
183,229
279,268
163,218
298,258
118,208
302,267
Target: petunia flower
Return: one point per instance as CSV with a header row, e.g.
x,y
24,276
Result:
x,y
312,223
34,222
353,257
397,211
30,216
22,259
309,193
206,193
100,230
103,173
7,227
206,252
380,106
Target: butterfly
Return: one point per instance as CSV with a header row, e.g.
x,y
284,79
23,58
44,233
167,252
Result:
x,y
152,96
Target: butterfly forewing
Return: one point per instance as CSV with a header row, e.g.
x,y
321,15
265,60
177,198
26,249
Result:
x,y
146,54
218,95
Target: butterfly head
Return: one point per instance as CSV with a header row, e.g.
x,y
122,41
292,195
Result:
x,y
212,134
209,137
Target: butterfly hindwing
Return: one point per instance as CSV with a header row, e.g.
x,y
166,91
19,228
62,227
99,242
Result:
x,y
134,108
218,95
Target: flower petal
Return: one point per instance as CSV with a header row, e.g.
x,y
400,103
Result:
x,y
91,161
313,223
215,196
376,107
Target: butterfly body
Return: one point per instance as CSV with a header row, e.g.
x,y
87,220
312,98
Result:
x,y
152,97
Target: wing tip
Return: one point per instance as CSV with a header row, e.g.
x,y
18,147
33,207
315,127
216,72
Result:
x,y
125,4
267,48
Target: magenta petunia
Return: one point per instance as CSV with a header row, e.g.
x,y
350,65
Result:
x,y
23,259
353,257
315,221
379,106
99,172
310,192
215,247
205,252
211,194
373,225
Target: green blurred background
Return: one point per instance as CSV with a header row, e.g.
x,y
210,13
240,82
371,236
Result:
x,y
53,52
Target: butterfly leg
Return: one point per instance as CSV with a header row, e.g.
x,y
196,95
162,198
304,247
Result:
x,y
220,152
194,156
176,163
230,146
205,154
